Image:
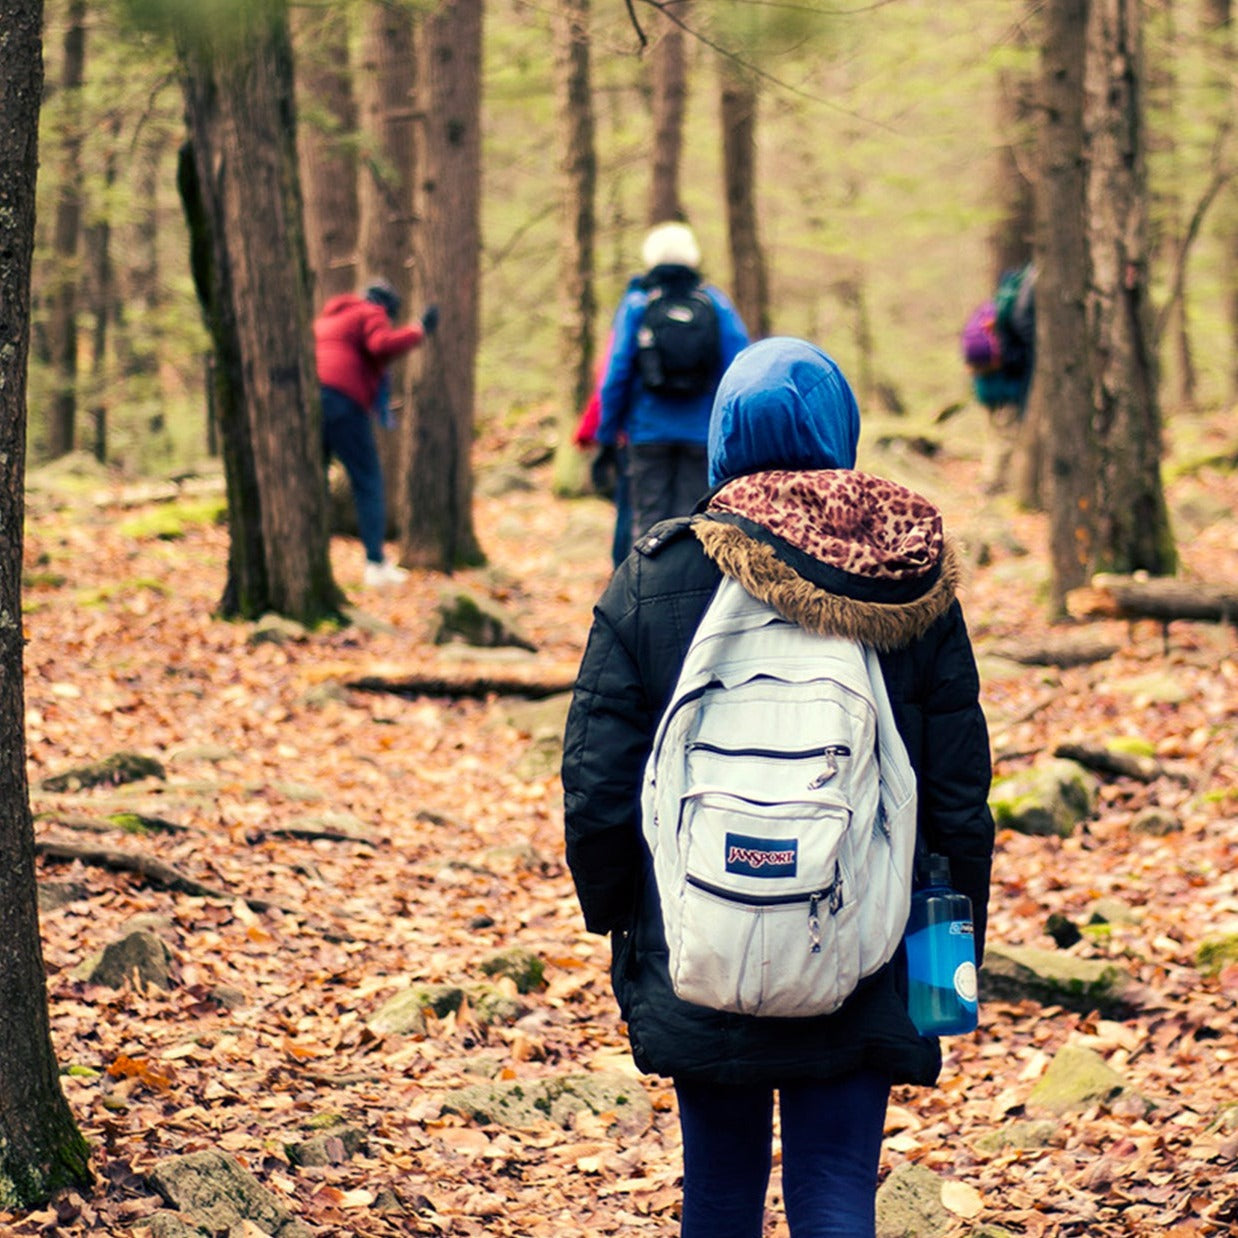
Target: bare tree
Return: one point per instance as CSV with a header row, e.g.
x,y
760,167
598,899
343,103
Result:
x,y
1132,530
326,125
668,78
435,501
66,237
41,1149
1218,25
578,192
385,85
242,200
749,284
1062,356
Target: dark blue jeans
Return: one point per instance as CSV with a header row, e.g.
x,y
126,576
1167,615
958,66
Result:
x,y
621,543
348,435
831,1148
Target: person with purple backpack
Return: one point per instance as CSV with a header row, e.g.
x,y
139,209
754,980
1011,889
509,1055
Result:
x,y
998,343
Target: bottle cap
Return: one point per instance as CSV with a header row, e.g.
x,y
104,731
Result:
x,y
938,870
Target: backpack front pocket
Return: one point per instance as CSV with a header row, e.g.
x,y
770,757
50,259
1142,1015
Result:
x,y
764,894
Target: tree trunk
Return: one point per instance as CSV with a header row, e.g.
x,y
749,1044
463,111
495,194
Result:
x,y
1217,22
1014,228
139,274
739,156
385,86
1171,331
326,125
1062,365
1132,521
1013,237
41,1149
66,234
239,184
669,81
102,298
578,191
436,499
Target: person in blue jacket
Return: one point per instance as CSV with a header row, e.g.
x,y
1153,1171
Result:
x,y
665,434
836,551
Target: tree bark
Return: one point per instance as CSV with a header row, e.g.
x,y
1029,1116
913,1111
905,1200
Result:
x,y
385,86
750,289
436,500
41,1149
1218,26
66,235
578,192
1014,228
239,185
1062,367
327,122
668,78
1132,520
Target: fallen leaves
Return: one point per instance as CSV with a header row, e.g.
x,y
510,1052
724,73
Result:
x,y
317,932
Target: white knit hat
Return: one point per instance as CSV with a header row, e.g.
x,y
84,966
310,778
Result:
x,y
671,245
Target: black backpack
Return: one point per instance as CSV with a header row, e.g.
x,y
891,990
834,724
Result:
x,y
678,345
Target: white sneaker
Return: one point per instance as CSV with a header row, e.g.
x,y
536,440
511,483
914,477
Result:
x,y
384,573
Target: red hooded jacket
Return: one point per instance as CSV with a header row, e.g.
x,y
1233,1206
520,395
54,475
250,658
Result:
x,y
354,342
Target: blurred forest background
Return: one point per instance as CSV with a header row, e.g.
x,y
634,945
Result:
x,y
887,140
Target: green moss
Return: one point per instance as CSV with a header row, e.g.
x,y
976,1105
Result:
x,y
169,521
1131,746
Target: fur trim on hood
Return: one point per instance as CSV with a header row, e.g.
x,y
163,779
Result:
x,y
755,564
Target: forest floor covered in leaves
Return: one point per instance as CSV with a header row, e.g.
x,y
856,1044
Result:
x,y
360,841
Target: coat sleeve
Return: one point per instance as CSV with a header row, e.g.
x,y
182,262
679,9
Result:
x,y
733,335
621,377
384,342
956,770
609,731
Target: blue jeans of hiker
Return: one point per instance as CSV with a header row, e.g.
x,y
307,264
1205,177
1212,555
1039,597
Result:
x,y
831,1147
621,543
348,435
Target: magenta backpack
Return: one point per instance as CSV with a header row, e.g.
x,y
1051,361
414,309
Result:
x,y
982,350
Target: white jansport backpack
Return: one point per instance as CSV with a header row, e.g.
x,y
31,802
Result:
x,y
780,808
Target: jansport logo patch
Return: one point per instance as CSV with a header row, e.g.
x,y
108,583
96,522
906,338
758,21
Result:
x,y
761,857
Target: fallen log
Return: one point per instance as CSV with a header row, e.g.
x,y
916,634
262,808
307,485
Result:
x,y
1064,651
164,876
1104,761
156,872
467,686
1154,597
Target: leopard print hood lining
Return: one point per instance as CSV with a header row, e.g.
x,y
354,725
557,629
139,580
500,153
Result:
x,y
861,528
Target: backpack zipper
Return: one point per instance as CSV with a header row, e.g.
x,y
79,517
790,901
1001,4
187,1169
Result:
x,y
831,752
833,893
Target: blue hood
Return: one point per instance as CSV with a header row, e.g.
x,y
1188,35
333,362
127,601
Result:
x,y
782,404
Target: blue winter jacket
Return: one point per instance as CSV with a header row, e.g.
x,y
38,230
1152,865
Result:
x,y
628,409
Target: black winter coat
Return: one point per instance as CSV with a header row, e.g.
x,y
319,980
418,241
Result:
x,y
642,627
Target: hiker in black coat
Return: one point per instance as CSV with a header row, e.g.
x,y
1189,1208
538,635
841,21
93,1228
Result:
x,y
836,551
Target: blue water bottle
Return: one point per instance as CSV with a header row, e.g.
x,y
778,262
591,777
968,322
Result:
x,y
941,956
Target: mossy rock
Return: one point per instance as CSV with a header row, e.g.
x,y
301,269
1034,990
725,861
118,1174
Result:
x,y
1216,954
519,965
404,1014
1053,978
1017,1136
141,956
111,771
1048,799
909,1204
1077,1078
476,621
532,1104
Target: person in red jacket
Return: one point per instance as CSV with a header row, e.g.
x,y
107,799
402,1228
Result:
x,y
355,340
